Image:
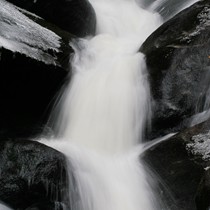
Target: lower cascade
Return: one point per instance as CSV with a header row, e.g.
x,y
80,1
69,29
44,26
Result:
x,y
99,121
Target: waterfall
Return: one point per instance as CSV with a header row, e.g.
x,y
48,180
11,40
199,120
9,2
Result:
x,y
106,105
108,98
103,111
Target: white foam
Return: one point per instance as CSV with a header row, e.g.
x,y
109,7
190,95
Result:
x,y
107,102
104,109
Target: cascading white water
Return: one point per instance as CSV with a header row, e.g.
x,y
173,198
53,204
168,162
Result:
x,y
104,109
108,98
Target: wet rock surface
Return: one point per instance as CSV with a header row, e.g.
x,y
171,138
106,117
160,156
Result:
x,y
33,176
177,56
181,177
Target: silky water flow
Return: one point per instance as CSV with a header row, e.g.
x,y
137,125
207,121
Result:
x,y
99,120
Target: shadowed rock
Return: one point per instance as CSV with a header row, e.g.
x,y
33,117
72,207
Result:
x,y
33,176
203,194
34,63
179,164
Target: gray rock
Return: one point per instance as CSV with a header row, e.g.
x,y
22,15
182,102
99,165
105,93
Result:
x,y
177,56
179,169
33,176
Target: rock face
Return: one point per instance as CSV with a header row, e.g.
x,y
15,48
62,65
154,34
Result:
x,y
180,164
33,176
74,16
34,57
178,60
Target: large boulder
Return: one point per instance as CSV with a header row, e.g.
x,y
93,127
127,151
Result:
x,y
34,63
179,165
178,61
74,16
34,176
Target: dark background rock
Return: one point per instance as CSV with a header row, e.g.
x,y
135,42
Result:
x,y
74,16
177,56
33,175
27,89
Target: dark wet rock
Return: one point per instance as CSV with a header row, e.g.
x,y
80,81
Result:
x,y
179,164
199,148
47,206
34,63
203,194
74,16
177,176
33,176
178,60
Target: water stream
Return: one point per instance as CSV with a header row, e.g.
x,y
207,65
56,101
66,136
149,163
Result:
x,y
100,119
